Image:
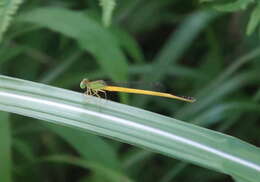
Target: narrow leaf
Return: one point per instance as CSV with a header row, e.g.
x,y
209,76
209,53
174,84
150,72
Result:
x,y
5,147
108,7
254,20
89,34
7,11
233,6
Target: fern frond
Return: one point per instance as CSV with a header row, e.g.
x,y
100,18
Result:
x,y
107,10
7,10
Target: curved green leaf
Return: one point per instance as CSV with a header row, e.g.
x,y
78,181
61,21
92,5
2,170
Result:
x,y
107,173
92,148
89,34
254,20
7,10
159,133
227,6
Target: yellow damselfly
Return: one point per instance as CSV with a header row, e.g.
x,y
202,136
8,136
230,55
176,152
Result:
x,y
95,87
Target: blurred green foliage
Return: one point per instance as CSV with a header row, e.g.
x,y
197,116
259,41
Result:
x,y
196,48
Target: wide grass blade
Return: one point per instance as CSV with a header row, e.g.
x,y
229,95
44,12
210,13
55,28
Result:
x,y
159,133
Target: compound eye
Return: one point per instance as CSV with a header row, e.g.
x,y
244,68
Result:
x,y
82,84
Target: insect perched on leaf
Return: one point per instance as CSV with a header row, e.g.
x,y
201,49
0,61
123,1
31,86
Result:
x,y
100,86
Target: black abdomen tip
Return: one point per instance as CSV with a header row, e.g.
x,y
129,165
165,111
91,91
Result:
x,y
191,99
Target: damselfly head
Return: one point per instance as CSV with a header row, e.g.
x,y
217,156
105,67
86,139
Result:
x,y
83,83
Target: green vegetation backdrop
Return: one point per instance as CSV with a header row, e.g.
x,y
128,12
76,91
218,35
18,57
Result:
x,y
208,49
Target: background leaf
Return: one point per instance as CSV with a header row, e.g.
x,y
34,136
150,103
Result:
x,y
107,10
5,145
254,20
231,6
89,35
7,11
